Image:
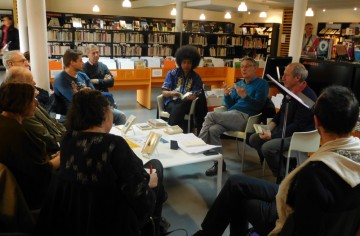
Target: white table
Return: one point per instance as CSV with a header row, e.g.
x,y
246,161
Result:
x,y
169,157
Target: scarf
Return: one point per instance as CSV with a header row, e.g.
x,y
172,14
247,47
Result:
x,y
331,155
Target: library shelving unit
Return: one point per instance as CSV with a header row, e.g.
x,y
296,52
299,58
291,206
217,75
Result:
x,y
272,30
227,46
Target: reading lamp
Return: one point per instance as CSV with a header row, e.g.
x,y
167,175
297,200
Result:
x,y
126,3
242,7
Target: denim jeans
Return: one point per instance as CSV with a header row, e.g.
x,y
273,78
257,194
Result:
x,y
119,117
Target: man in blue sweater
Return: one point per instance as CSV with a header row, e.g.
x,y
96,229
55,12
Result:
x,y
245,99
72,80
300,119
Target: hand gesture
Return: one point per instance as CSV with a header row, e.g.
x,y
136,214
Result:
x,y
265,135
190,97
153,182
227,89
240,91
107,76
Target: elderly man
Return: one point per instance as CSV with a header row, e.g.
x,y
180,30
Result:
x,y
42,125
308,38
245,99
300,119
72,80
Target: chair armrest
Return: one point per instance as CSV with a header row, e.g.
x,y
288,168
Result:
x,y
221,109
192,108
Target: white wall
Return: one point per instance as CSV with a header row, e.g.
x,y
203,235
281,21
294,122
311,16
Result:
x,y
6,4
273,16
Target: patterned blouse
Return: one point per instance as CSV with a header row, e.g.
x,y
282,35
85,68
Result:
x,y
175,81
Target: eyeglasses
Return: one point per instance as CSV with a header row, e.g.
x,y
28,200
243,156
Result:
x,y
22,61
243,67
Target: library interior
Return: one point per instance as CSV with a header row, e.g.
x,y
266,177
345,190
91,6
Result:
x,y
156,117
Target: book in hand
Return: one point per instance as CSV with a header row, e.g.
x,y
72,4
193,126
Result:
x,y
151,144
157,123
193,143
144,126
128,124
259,128
173,130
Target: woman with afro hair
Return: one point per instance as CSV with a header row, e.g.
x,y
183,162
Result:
x,y
180,81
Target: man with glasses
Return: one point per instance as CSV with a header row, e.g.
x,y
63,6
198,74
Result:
x,y
246,98
9,34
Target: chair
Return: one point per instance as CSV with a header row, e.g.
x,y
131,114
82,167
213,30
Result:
x,y
302,142
162,113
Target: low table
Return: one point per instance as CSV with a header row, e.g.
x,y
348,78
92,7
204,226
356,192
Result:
x,y
169,157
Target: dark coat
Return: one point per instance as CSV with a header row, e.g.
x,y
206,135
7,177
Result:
x,y
13,36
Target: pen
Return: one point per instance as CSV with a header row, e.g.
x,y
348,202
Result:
x,y
150,169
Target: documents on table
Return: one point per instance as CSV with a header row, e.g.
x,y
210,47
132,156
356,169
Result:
x,y
184,137
132,145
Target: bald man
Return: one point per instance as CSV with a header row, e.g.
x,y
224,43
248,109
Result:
x,y
300,119
42,125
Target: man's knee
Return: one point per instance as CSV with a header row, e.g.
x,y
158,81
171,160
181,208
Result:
x,y
269,148
255,140
216,130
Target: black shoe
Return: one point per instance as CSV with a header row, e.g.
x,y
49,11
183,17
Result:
x,y
214,169
199,233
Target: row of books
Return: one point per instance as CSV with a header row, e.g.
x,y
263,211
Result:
x,y
56,50
128,38
161,38
56,35
255,42
103,50
197,40
85,36
237,41
160,51
123,50
329,31
223,40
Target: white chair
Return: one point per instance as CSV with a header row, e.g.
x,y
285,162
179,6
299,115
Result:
x,y
302,142
242,134
162,113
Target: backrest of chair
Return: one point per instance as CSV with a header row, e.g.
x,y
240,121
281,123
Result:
x,y
305,141
251,121
192,108
160,101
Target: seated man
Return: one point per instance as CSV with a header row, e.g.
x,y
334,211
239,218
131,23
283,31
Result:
x,y
72,80
299,119
245,99
314,196
178,82
16,58
42,125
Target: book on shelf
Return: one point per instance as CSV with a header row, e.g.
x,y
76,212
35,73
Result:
x,y
128,124
151,144
173,130
237,64
325,48
136,25
195,27
139,64
144,126
54,22
244,30
157,123
207,28
259,128
129,26
323,31
76,22
144,25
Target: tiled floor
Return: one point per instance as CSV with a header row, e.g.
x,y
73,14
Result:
x,y
191,193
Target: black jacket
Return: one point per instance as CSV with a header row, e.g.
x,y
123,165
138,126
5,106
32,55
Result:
x,y
13,36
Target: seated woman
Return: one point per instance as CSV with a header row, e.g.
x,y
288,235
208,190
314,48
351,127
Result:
x,y
23,153
320,197
103,188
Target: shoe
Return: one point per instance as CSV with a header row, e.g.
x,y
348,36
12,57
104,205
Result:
x,y
214,169
199,233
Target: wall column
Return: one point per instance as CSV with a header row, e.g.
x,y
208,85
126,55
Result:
x,y
297,29
38,42
23,26
179,19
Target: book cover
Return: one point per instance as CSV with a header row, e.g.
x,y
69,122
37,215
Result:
x,y
173,130
323,47
128,124
144,126
195,27
259,128
157,122
123,24
151,144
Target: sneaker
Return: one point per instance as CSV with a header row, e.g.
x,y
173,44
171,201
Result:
x,y
214,169
199,233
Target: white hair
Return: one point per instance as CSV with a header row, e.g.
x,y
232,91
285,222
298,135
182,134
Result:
x,y
90,46
9,56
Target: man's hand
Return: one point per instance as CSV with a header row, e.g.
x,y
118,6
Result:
x,y
153,182
227,89
174,93
86,88
265,135
94,81
190,97
107,76
241,91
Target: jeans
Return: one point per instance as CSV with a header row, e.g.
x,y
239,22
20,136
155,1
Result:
x,y
217,123
243,199
119,117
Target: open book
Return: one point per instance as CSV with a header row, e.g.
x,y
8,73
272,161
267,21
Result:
x,y
259,128
173,130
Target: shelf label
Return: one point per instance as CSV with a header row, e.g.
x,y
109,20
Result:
x,y
156,72
55,73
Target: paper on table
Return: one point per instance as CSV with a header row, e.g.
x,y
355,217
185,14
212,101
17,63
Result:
x,y
139,140
132,145
183,137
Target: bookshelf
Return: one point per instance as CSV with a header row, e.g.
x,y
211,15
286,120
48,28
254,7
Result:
x,y
227,46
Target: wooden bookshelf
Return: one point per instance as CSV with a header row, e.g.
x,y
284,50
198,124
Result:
x,y
286,30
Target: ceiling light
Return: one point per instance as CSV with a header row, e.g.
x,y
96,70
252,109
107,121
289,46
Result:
x,y
242,7
126,3
309,12
263,14
96,8
173,12
249,13
323,10
355,9
227,16
202,17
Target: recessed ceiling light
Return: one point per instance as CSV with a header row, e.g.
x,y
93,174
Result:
x,y
323,10
309,12
227,16
355,9
249,12
96,8
202,17
173,12
242,7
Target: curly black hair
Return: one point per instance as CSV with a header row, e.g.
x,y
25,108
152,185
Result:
x,y
188,52
87,110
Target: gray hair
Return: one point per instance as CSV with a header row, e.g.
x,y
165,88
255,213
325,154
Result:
x,y
307,24
9,56
90,46
16,74
255,63
300,69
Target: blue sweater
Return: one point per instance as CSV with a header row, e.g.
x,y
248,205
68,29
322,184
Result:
x,y
63,86
257,91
